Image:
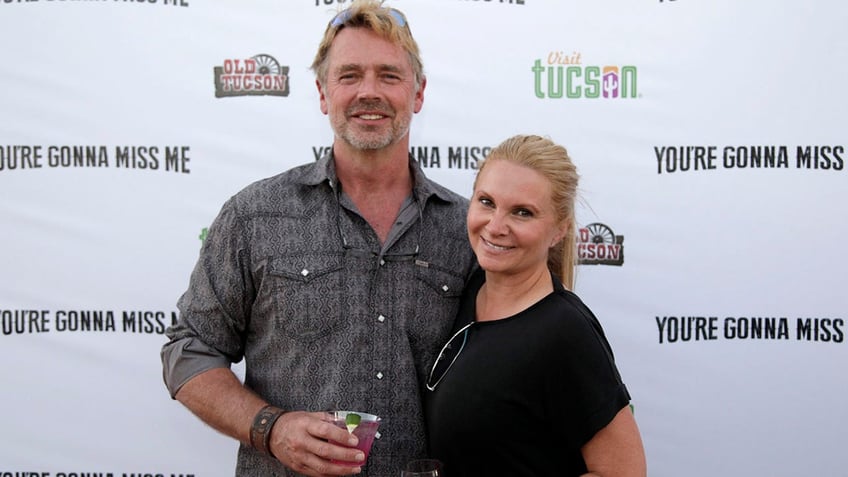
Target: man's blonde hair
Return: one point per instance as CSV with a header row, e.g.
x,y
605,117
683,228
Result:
x,y
388,23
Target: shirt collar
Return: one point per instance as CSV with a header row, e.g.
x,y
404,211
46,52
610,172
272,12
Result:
x,y
422,189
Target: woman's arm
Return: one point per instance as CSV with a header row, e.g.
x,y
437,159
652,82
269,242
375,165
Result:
x,y
616,450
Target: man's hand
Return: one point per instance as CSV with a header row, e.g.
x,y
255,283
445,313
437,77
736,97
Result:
x,y
307,442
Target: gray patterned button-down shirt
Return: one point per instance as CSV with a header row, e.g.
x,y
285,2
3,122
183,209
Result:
x,y
292,280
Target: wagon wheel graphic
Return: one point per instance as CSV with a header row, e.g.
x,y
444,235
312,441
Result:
x,y
266,65
600,233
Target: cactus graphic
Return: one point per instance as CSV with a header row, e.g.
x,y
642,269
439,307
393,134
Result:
x,y
610,86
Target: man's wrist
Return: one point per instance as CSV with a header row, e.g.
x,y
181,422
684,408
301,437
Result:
x,y
260,430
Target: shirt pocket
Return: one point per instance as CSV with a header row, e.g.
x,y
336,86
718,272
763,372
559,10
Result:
x,y
437,300
308,295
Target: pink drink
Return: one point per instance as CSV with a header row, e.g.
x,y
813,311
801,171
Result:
x,y
364,431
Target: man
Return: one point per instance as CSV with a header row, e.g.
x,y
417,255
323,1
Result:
x,y
335,281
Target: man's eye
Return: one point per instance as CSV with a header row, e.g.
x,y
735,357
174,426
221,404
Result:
x,y
348,75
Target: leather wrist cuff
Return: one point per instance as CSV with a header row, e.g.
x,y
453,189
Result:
x,y
260,431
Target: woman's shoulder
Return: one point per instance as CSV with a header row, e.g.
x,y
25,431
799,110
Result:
x,y
572,312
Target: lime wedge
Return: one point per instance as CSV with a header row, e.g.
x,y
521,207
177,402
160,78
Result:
x,y
351,421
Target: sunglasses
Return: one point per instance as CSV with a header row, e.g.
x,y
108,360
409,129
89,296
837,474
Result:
x,y
345,15
447,356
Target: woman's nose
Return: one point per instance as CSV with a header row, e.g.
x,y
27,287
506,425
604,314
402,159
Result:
x,y
497,224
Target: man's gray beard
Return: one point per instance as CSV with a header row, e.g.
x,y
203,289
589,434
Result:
x,y
370,142
367,144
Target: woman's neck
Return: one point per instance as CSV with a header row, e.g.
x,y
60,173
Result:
x,y
502,295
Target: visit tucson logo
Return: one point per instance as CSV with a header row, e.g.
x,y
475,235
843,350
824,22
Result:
x,y
259,75
597,244
565,75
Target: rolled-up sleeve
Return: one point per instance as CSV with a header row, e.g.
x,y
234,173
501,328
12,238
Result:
x,y
213,311
185,358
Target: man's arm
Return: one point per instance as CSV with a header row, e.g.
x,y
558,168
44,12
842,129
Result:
x,y
298,439
220,400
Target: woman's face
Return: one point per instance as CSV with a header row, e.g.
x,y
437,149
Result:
x,y
511,219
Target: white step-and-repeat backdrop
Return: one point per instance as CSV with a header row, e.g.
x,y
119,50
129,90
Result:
x,y
711,137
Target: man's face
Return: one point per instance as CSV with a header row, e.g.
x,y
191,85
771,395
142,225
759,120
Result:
x,y
370,92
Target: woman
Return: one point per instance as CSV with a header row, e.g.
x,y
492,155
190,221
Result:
x,y
528,386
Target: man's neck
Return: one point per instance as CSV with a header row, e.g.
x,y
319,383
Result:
x,y
376,169
377,182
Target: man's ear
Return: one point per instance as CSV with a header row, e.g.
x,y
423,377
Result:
x,y
419,95
322,98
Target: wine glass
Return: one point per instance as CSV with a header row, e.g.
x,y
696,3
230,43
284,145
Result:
x,y
422,468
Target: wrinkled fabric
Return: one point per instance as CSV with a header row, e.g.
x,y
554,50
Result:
x,y
292,280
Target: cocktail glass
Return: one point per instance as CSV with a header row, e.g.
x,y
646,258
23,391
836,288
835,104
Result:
x,y
361,424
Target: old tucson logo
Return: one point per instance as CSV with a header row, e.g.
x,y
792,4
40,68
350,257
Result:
x,y
598,245
260,75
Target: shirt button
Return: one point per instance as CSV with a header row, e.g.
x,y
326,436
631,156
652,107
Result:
x,y
304,272
379,375
381,318
445,288
382,262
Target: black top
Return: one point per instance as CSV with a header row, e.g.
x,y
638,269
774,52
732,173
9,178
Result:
x,y
526,392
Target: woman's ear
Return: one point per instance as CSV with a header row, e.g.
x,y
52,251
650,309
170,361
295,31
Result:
x,y
563,229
